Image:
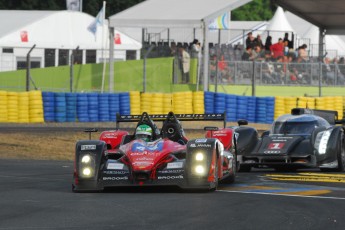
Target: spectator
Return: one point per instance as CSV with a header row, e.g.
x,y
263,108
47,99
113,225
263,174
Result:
x,y
259,53
250,41
248,55
289,42
258,41
195,49
268,43
185,64
277,49
302,52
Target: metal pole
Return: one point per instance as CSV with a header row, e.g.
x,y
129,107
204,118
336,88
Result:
x,y
144,67
253,80
111,59
81,5
71,73
28,67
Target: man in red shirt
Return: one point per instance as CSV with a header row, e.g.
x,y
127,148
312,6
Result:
x,y
277,49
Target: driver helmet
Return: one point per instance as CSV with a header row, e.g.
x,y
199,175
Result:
x,y
143,132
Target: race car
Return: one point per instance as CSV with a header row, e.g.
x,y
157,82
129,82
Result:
x,y
305,138
153,157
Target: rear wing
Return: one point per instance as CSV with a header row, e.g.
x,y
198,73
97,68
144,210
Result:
x,y
329,115
180,117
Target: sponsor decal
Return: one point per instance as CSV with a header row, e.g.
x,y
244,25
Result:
x,y
171,171
170,177
88,147
115,172
115,178
204,145
140,147
141,153
110,135
174,165
278,145
200,140
272,152
193,145
115,166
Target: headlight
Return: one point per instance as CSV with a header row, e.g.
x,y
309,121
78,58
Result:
x,y
86,159
199,169
199,157
87,171
322,140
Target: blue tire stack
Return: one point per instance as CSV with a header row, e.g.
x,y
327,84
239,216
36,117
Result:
x,y
209,102
261,110
103,105
251,110
93,107
60,107
82,107
71,107
125,106
219,103
231,107
242,107
270,101
48,106
114,105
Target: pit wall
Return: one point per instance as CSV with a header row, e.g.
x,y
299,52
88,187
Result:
x,y
40,107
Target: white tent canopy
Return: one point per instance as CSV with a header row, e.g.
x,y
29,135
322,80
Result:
x,y
55,30
174,14
279,25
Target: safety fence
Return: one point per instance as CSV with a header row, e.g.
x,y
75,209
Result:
x,y
38,107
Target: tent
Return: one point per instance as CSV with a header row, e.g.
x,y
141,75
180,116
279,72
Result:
x,y
196,14
54,30
279,25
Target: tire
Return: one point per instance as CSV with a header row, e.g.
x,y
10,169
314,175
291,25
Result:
x,y
231,178
214,185
340,156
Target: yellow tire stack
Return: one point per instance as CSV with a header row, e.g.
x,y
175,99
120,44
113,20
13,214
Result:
x,y
12,107
198,102
279,107
167,103
157,103
329,103
306,102
178,101
338,106
3,106
134,97
145,102
189,102
36,107
23,107
320,103
290,103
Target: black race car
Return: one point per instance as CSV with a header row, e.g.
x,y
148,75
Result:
x,y
303,139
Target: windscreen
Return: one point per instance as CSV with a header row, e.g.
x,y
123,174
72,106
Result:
x,y
288,127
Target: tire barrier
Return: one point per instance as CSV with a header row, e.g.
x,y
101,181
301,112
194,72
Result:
x,y
37,106
82,107
125,104
48,106
3,107
60,107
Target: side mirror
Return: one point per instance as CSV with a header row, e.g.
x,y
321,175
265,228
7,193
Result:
x,y
242,122
265,133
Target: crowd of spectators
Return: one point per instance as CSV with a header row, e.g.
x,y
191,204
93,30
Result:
x,y
280,62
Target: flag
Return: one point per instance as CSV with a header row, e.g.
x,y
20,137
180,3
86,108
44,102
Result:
x,y
221,22
98,21
73,5
24,36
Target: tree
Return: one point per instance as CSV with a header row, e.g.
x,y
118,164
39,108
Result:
x,y
257,10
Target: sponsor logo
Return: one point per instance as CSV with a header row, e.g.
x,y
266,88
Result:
x,y
270,152
278,145
171,171
140,147
170,177
204,145
200,140
115,172
115,178
88,147
193,145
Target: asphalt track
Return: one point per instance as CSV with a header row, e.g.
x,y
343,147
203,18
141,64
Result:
x,y
37,195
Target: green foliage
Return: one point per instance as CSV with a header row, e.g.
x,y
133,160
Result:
x,y
257,10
